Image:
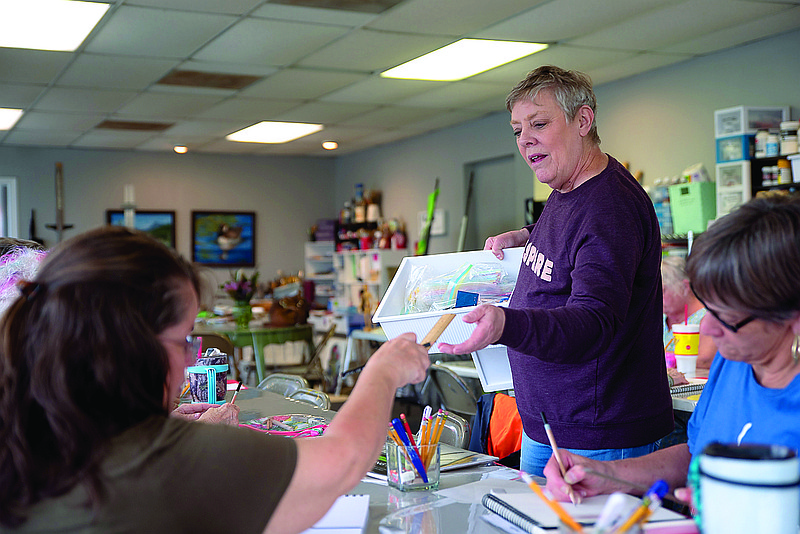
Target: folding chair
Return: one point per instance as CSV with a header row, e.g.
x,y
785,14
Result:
x,y
283,384
454,394
456,431
312,397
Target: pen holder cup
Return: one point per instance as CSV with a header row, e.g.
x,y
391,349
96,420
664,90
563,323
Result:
x,y
207,371
748,488
402,467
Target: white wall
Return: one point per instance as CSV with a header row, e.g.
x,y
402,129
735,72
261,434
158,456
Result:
x,y
288,194
661,122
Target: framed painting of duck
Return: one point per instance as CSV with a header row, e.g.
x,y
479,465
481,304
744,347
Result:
x,y
159,224
224,238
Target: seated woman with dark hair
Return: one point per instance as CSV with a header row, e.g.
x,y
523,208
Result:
x,y
92,358
745,270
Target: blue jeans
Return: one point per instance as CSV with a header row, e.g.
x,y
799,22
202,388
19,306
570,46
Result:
x,y
535,455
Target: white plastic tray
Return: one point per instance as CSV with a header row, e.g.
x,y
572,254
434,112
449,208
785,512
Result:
x,y
494,371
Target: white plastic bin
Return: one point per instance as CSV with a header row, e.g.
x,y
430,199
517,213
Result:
x,y
492,362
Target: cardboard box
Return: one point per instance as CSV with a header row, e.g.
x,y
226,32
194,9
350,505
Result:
x,y
692,206
741,120
491,363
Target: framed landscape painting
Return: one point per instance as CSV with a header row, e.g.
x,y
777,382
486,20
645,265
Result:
x,y
224,238
159,224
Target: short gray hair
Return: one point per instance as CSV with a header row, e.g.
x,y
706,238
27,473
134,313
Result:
x,y
570,88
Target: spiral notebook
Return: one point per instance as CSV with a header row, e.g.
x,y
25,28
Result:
x,y
530,513
687,389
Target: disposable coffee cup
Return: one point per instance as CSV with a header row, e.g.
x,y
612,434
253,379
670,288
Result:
x,y
687,343
749,488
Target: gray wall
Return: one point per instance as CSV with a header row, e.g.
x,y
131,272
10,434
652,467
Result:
x,y
661,122
288,194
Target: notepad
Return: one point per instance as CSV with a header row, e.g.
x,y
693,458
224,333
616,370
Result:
x,y
528,512
348,515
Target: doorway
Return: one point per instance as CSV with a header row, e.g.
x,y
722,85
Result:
x,y
494,206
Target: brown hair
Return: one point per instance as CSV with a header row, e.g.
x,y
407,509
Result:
x,y
750,259
570,88
80,361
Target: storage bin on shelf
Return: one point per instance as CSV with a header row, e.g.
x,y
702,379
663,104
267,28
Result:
x,y
741,120
491,363
692,205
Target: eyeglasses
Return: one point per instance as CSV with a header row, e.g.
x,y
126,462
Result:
x,y
732,327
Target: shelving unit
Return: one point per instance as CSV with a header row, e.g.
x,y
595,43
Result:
x,y
372,268
319,269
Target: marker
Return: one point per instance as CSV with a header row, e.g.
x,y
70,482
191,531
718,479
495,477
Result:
x,y
560,512
412,452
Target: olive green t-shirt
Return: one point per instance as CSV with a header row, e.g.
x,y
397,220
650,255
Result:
x,y
170,475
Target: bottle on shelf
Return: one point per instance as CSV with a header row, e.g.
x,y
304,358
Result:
x,y
784,171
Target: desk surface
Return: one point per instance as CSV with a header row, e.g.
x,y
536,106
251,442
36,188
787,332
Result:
x,y
390,510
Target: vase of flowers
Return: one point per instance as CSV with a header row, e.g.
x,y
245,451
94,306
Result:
x,y
241,289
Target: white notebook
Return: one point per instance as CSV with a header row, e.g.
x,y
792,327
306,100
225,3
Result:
x,y
348,515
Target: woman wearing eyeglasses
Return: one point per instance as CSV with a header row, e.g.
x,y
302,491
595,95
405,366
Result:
x,y
746,271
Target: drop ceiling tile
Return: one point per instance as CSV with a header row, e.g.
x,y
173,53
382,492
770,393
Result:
x,y
252,109
18,95
443,120
758,28
560,20
339,17
377,90
345,134
268,42
565,56
675,23
457,94
231,7
323,112
206,128
168,106
88,100
226,67
223,146
73,122
115,72
140,31
40,138
448,17
301,83
390,116
31,66
112,139
637,65
373,51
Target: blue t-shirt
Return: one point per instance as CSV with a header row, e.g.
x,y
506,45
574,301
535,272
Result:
x,y
734,408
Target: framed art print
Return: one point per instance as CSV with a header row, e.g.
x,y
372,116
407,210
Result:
x,y
159,224
224,238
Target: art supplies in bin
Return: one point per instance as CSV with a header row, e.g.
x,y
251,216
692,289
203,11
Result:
x,y
429,290
293,425
491,363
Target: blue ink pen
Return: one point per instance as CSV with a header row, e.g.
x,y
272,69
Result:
x,y
650,502
415,459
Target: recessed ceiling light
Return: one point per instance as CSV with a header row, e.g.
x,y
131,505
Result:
x,y
463,59
180,149
274,132
330,145
9,117
48,24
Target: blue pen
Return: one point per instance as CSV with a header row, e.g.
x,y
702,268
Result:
x,y
415,459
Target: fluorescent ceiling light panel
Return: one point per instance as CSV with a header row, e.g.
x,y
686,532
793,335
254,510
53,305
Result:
x,y
60,25
463,59
9,117
274,132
